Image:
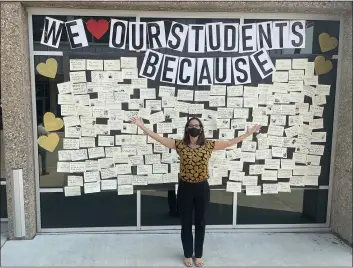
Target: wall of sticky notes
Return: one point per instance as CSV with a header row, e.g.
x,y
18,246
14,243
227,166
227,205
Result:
x,y
103,151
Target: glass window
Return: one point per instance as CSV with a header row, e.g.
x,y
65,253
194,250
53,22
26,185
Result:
x,y
47,101
297,207
220,211
158,208
3,202
106,209
283,208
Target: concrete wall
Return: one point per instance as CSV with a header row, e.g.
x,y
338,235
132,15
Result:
x,y
341,214
16,96
17,109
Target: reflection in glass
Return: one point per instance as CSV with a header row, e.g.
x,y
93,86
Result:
x,y
105,209
47,101
299,206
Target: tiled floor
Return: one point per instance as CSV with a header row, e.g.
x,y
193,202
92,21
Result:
x,y
164,250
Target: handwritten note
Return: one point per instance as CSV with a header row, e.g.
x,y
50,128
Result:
x,y
109,184
96,152
316,149
218,90
313,160
269,175
299,64
155,178
152,159
252,190
234,91
275,130
72,190
125,189
185,95
217,101
256,169
226,134
284,64
280,76
123,169
202,95
77,64
272,163
234,187
263,154
74,181
77,167
77,155
287,163
250,180
160,168
128,62
111,65
64,88
299,158
71,144
125,179
95,65
63,167
157,118
284,173
78,77
248,146
92,187
284,187
147,93
241,113
107,173
270,188
92,165
139,180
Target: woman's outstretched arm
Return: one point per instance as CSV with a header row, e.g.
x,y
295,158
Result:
x,y
220,145
169,143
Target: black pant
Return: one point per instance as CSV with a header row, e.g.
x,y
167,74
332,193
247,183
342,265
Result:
x,y
193,196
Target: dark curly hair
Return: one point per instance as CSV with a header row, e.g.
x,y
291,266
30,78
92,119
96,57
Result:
x,y
200,140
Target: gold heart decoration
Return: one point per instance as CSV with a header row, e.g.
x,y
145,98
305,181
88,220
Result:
x,y
321,65
327,43
51,123
49,142
49,68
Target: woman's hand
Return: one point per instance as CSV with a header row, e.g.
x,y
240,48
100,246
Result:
x,y
137,122
255,128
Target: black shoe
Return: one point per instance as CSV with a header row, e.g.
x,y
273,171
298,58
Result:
x,y
44,172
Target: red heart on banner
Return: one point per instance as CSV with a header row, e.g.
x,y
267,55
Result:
x,y
97,28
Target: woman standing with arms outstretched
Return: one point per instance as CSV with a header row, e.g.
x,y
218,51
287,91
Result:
x,y
193,191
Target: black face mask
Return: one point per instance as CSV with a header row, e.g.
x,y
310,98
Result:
x,y
194,132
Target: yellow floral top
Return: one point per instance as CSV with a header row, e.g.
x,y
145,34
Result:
x,y
194,161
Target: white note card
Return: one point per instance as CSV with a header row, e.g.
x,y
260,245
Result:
x,y
125,189
233,186
72,190
71,144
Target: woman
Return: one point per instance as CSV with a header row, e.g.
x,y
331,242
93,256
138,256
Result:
x,y
193,192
